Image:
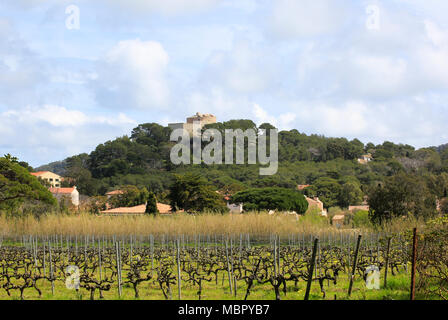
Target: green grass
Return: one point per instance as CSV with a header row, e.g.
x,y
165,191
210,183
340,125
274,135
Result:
x,y
397,289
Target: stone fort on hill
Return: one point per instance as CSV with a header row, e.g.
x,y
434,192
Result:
x,y
201,119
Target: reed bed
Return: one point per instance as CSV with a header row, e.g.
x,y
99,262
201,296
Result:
x,y
257,224
176,224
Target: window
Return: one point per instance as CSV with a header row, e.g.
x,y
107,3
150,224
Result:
x,y
51,179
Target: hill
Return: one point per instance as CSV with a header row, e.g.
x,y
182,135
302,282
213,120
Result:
x,y
142,159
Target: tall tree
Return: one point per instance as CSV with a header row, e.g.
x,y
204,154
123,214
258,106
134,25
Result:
x,y
151,204
18,185
401,195
191,192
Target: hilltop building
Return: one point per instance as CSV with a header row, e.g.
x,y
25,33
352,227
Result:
x,y
202,120
52,178
366,158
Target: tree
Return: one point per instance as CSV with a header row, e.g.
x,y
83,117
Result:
x,y
271,199
401,195
444,206
350,194
328,190
191,192
151,204
18,185
130,196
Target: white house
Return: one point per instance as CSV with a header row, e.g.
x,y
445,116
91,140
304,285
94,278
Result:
x,y
235,208
71,193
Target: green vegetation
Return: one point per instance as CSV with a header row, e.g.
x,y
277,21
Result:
x,y
399,181
190,192
261,199
17,187
129,196
151,205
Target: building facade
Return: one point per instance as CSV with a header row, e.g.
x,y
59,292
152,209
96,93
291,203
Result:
x,y
71,194
53,179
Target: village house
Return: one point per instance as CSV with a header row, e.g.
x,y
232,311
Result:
x,y
364,159
53,179
201,119
114,193
364,207
71,194
315,202
338,220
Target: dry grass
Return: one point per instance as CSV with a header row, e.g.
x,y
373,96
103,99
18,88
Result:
x,y
87,224
259,224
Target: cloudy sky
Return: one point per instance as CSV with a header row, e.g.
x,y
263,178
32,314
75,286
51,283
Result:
x,y
375,70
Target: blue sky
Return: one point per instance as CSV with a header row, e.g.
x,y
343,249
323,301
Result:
x,y
374,70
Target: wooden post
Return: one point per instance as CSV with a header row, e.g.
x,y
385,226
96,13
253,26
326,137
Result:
x,y
275,256
51,268
414,264
311,269
355,261
228,266
389,239
178,270
117,249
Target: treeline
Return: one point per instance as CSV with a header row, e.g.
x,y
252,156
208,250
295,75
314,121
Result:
x,y
328,164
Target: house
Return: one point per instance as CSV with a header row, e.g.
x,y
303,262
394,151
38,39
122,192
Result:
x,y
199,118
114,193
364,207
366,158
338,220
235,208
137,210
52,178
70,193
302,187
315,202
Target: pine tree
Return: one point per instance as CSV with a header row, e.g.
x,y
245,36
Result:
x,y
151,204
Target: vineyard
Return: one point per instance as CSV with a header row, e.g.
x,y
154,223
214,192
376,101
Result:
x,y
207,267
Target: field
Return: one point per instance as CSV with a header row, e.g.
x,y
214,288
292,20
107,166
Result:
x,y
253,256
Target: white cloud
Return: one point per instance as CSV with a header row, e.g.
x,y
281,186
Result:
x,y
244,69
21,71
58,116
283,121
307,18
166,7
133,75
43,133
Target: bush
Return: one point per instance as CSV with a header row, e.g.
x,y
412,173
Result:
x,y
151,205
361,218
271,199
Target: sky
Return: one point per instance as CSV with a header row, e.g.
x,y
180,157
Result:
x,y
77,73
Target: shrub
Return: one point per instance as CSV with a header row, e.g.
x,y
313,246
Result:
x,y
271,199
361,218
151,205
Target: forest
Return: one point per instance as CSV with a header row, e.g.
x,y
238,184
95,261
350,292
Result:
x,y
397,173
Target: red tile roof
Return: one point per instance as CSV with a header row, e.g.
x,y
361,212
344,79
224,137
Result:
x,y
111,193
39,173
62,190
163,208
